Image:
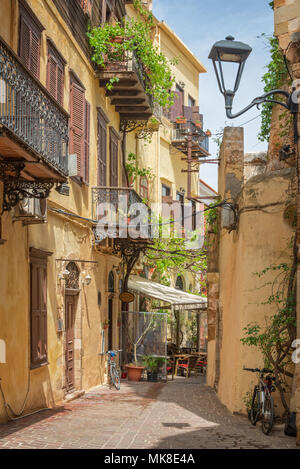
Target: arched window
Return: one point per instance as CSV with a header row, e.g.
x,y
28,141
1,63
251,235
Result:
x,y
144,187
111,282
73,278
179,283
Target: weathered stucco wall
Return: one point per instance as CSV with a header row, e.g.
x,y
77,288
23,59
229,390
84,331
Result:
x,y
261,239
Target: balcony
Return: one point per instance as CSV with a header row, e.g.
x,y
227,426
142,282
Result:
x,y
128,94
33,130
200,141
117,214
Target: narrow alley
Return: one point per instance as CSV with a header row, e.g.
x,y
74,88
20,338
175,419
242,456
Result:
x,y
183,414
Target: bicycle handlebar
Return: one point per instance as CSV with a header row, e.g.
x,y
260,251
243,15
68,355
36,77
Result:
x,y
258,370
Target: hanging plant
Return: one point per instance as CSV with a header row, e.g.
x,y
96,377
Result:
x,y
108,47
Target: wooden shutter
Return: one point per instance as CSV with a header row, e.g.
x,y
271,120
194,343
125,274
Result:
x,y
55,74
102,158
177,108
113,148
87,113
24,42
77,112
30,40
38,308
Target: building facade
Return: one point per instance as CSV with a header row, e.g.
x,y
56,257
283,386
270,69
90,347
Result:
x,y
63,144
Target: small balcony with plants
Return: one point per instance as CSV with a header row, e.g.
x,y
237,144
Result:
x,y
200,139
134,73
34,133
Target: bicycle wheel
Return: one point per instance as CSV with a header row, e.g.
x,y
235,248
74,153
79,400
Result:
x,y
115,377
267,414
255,406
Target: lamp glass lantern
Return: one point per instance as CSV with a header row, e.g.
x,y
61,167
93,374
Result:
x,y
229,51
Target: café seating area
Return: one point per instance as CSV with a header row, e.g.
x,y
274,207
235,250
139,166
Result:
x,y
186,361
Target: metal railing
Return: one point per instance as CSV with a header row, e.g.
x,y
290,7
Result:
x,y
121,199
180,132
30,113
129,62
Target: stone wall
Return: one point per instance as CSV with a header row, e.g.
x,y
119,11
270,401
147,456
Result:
x,y
287,29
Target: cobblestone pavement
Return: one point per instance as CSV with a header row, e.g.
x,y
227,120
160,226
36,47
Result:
x,y
183,414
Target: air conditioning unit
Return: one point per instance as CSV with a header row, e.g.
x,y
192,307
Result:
x,y
30,211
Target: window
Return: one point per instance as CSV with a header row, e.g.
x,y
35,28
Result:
x,y
55,73
79,128
144,187
30,31
165,191
101,154
111,282
191,101
113,150
194,215
180,198
179,283
38,307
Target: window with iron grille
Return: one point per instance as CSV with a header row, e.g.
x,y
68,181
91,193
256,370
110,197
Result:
x,y
79,128
30,32
55,73
38,307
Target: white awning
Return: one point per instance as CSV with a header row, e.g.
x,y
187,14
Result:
x,y
180,300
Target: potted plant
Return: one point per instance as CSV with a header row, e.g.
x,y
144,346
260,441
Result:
x,y
106,324
153,365
181,120
208,133
198,124
134,371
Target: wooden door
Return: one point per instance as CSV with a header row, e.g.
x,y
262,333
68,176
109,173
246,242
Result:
x,y
69,352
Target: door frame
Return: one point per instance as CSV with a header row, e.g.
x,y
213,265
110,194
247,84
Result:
x,y
77,382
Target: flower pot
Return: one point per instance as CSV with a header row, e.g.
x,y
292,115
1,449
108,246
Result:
x,y
152,376
208,133
181,121
199,125
134,372
117,39
105,326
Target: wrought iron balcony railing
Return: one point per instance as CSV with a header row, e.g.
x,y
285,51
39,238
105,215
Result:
x,y
199,137
29,112
119,200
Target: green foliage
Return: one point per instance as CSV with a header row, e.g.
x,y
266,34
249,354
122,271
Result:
x,y
247,399
192,330
274,78
153,364
211,216
136,34
134,171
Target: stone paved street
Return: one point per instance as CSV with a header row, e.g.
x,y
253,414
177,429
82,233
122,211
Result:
x,y
183,414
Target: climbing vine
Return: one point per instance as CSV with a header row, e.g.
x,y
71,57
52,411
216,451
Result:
x,y
113,43
274,78
134,171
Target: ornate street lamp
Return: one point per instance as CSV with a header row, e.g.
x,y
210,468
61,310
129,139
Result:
x,y
237,52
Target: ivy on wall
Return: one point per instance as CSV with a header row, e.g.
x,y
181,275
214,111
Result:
x,y
274,78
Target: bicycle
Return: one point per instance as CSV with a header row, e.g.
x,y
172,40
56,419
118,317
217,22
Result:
x,y
262,405
113,369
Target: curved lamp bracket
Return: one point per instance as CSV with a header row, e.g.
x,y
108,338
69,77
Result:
x,y
289,104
